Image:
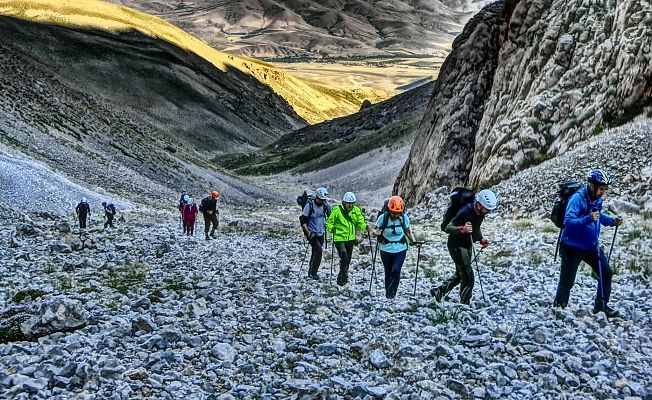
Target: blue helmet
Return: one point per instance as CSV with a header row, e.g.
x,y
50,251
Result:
x,y
599,177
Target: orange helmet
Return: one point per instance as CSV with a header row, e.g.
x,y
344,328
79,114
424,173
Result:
x,y
215,195
396,204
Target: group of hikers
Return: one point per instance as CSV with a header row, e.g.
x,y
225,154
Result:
x,y
188,211
580,219
83,212
578,212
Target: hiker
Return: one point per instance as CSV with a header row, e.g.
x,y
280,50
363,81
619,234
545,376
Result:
x,y
83,211
189,212
313,223
208,207
579,242
463,230
183,200
392,228
342,223
109,212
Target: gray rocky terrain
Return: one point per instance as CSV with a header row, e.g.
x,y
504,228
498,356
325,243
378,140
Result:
x,y
141,311
316,29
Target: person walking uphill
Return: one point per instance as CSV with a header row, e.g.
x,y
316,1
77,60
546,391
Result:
x,y
579,242
208,207
392,228
83,211
189,213
342,223
463,230
109,213
312,221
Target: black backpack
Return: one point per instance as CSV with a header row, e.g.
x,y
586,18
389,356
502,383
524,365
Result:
x,y
111,209
459,197
558,212
205,204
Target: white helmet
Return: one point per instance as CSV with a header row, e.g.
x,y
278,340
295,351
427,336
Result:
x,y
83,200
189,200
488,199
349,197
186,198
321,193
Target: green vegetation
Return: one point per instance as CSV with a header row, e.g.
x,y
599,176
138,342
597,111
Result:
x,y
32,293
127,278
523,223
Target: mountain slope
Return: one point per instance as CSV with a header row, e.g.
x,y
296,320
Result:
x,y
128,113
312,101
580,68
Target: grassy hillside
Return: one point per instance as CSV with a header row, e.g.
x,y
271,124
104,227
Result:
x,y
314,102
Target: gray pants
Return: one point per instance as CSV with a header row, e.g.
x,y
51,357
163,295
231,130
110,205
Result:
x,y
463,276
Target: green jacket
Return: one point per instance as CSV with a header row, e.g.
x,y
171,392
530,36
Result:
x,y
343,225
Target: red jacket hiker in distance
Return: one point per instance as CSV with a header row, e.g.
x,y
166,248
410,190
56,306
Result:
x,y
189,216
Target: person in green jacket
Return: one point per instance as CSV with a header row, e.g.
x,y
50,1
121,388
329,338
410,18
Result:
x,y
343,222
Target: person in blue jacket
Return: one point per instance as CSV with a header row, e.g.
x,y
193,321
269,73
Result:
x,y
579,242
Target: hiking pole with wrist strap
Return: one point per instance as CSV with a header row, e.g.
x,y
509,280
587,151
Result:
x,y
477,268
613,240
416,273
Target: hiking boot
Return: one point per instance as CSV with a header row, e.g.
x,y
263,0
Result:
x,y
608,311
208,237
313,276
342,280
436,293
214,235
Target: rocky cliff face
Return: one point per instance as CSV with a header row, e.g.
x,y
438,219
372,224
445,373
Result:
x,y
563,72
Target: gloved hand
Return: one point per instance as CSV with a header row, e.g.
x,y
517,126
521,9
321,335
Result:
x,y
466,228
618,220
484,243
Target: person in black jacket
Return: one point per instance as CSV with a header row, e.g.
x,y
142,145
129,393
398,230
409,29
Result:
x,y
109,212
208,208
83,211
463,230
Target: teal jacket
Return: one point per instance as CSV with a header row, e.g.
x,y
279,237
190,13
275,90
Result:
x,y
343,224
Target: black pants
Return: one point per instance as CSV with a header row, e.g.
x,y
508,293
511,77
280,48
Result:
x,y
570,260
316,243
463,275
208,220
109,220
344,251
393,263
82,221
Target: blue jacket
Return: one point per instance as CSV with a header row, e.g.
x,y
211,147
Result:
x,y
580,231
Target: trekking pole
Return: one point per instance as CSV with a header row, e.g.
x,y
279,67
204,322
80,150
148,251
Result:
x,y
613,240
373,266
477,268
557,245
416,273
597,248
303,259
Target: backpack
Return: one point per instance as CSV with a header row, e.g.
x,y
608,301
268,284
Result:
x,y
459,197
111,209
205,204
558,212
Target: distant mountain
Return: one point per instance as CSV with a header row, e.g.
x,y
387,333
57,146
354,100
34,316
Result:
x,y
314,101
312,28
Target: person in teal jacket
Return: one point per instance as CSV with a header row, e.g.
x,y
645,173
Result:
x,y
342,223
